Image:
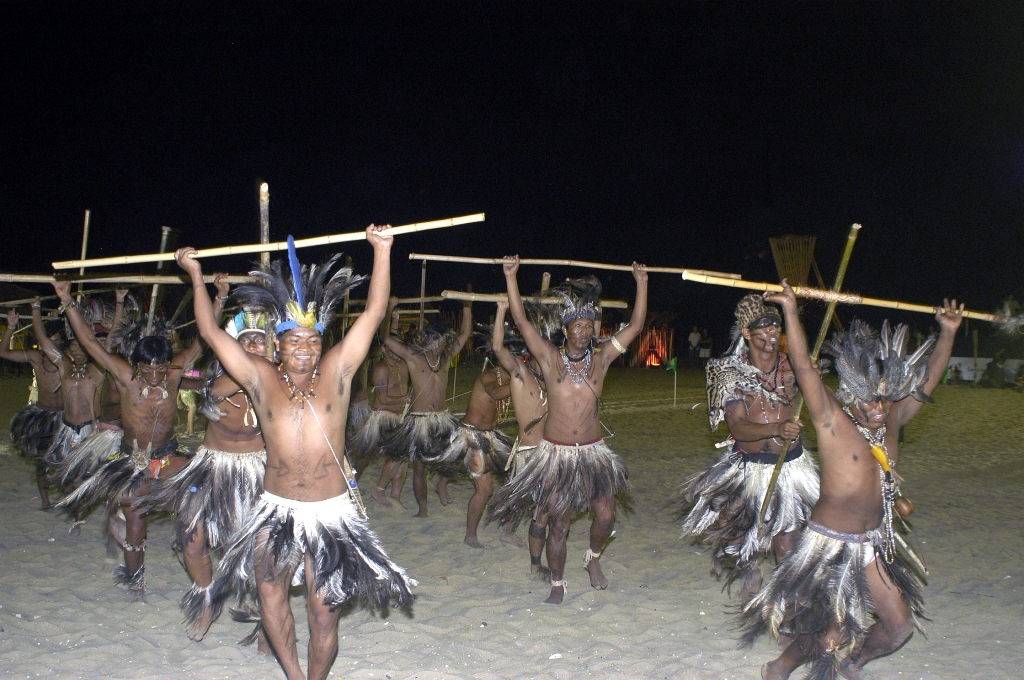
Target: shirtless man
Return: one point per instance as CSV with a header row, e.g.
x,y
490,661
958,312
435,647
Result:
x,y
148,387
573,447
33,426
213,495
427,428
81,383
530,401
390,391
851,527
754,390
480,446
308,525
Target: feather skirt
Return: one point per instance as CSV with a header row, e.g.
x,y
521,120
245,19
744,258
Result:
x,y
421,437
821,585
495,446
348,561
215,491
32,430
64,440
559,478
366,440
724,503
89,455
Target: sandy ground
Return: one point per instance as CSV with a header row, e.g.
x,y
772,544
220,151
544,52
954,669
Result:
x,y
478,614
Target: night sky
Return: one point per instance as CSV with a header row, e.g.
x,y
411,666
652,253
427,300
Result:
x,y
675,134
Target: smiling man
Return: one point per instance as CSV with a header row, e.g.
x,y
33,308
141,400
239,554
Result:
x,y
753,389
309,525
845,582
572,470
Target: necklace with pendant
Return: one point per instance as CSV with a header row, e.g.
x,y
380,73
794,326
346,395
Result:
x,y
294,392
876,440
78,373
433,367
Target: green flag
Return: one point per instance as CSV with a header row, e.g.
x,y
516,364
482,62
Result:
x,y
671,366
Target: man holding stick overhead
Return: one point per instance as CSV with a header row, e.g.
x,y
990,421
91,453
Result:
x,y
845,569
35,424
753,389
573,470
530,400
426,430
309,525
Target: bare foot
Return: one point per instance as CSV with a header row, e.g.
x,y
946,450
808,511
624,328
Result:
x,y
473,542
849,670
398,499
771,671
378,495
421,513
513,540
784,642
597,578
540,573
557,593
197,629
442,493
263,645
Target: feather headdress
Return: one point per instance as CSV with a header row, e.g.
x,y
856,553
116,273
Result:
x,y
132,329
580,299
246,321
875,366
304,299
540,315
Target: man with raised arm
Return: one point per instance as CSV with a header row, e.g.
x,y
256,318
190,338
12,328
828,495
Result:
x,y
754,390
846,568
530,402
213,495
148,387
309,525
427,428
33,426
573,470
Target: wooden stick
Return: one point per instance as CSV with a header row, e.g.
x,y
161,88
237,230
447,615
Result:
x,y
127,278
270,247
401,312
828,295
25,301
404,301
566,263
501,297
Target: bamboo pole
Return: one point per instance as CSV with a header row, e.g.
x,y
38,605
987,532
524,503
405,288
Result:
x,y
264,221
270,247
822,333
166,236
565,263
401,312
85,249
423,291
828,295
25,301
359,302
127,278
501,297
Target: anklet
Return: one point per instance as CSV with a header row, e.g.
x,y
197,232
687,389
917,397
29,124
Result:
x,y
591,555
562,584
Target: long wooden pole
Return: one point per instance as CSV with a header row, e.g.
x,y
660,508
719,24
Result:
x,y
271,247
165,239
25,301
829,296
565,263
423,291
85,249
822,334
126,278
501,297
264,221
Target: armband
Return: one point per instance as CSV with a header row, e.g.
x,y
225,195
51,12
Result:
x,y
617,345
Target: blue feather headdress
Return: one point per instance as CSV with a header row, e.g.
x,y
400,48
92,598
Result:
x,y
305,299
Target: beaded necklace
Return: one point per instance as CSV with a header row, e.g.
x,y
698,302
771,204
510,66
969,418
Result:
x,y
294,392
876,440
577,376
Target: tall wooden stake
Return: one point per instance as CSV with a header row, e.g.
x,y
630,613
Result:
x,y
165,237
423,290
822,333
85,249
264,222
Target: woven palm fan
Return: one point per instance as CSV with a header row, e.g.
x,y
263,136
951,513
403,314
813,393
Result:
x,y
793,256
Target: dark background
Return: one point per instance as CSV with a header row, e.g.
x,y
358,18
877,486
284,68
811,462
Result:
x,y
671,133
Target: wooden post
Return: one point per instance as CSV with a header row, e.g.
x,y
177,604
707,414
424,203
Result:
x,y
165,237
545,281
85,249
264,222
423,290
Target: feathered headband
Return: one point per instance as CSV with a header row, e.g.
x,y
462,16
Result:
x,y
306,299
751,312
246,321
580,299
873,367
